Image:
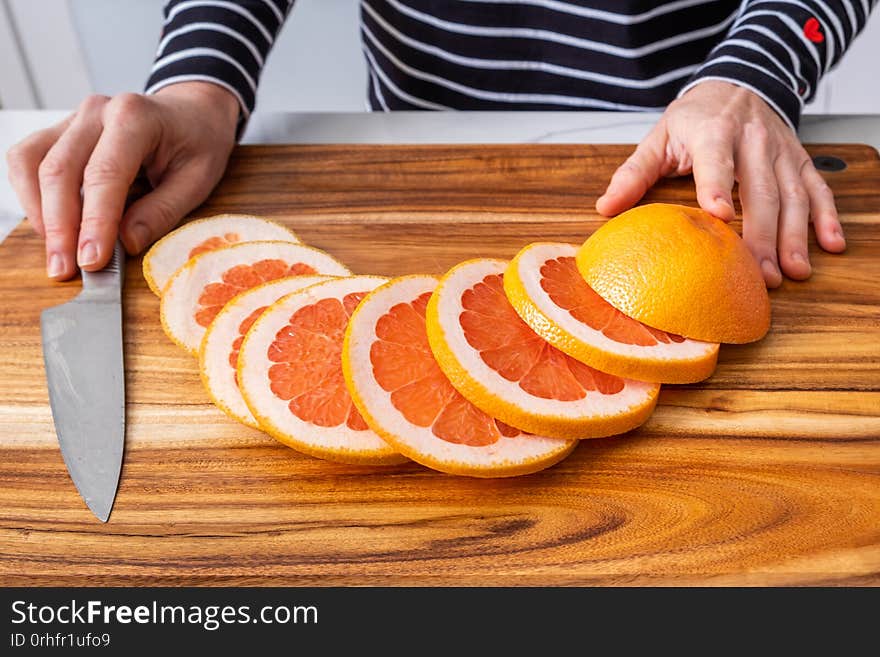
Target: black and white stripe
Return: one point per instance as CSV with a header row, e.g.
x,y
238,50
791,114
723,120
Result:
x,y
221,41
533,54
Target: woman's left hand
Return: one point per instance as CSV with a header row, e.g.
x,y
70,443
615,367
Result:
x,y
725,133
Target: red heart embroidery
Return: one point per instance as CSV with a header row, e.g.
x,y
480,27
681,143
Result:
x,y
813,31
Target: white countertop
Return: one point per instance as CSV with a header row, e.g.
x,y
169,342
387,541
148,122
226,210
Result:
x,y
436,127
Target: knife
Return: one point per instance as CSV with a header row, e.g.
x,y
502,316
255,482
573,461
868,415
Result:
x,y
82,352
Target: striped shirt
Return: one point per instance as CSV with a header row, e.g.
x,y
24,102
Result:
x,y
534,54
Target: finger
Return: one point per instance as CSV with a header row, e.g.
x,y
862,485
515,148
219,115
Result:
x,y
714,171
153,215
23,162
759,194
634,177
823,210
794,218
129,136
61,175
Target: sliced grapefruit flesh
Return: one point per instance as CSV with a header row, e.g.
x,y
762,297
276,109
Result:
x,y
290,374
202,235
244,277
404,396
497,362
200,289
218,354
548,292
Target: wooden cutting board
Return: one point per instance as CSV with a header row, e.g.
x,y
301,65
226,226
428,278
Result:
x,y
767,473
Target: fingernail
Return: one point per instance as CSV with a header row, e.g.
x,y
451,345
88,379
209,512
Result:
x,y
88,254
55,266
723,201
140,234
797,256
839,233
769,268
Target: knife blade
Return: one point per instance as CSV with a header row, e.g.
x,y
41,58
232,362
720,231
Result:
x,y
82,353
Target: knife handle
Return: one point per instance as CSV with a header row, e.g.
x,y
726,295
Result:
x,y
108,281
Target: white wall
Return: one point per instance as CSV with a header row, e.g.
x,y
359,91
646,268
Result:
x,y
852,88
119,39
317,63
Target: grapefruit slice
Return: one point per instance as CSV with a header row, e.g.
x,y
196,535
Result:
x,y
290,374
508,371
218,354
201,287
195,237
545,288
403,395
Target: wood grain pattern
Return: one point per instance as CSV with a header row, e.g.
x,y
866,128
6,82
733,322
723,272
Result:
x,y
768,473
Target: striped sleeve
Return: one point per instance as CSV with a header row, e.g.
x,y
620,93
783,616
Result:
x,y
780,50
225,42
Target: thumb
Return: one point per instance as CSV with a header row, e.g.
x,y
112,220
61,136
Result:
x,y
150,217
636,176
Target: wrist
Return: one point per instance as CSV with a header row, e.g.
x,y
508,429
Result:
x,y
726,81
213,97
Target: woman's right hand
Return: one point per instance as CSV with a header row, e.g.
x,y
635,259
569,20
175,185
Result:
x,y
182,138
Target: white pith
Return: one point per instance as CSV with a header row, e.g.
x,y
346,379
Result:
x,y
180,299
529,270
254,367
170,253
421,440
593,405
223,331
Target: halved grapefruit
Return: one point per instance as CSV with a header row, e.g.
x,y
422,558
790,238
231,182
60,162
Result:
x,y
196,237
201,287
678,269
403,395
290,374
509,372
218,354
546,289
